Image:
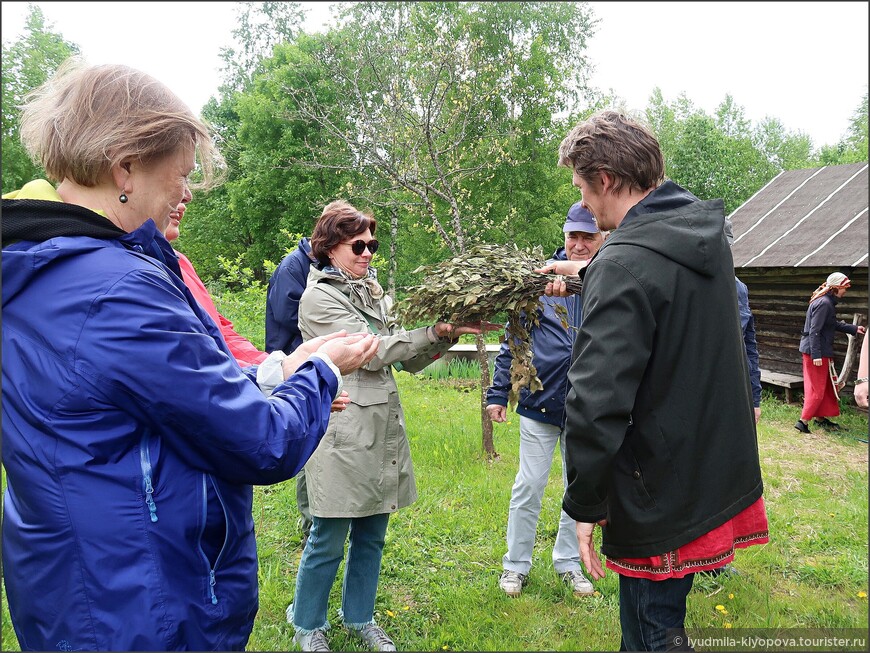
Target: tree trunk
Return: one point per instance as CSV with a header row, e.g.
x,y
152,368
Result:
x,y
394,231
486,422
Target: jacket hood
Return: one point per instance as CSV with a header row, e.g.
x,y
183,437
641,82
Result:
x,y
304,246
37,233
689,231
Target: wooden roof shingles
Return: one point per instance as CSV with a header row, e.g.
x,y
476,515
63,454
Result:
x,y
815,217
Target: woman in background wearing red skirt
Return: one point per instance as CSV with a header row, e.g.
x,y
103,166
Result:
x,y
817,349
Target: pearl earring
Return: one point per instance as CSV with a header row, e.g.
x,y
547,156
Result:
x,y
123,198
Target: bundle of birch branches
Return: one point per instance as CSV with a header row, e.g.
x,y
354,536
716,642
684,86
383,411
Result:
x,y
479,285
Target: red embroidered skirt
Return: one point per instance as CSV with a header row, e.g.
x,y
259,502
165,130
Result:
x,y
820,398
712,550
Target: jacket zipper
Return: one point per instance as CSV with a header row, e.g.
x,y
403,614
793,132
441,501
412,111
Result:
x,y
211,570
147,485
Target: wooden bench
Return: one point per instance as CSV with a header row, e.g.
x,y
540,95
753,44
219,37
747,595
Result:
x,y
469,352
781,379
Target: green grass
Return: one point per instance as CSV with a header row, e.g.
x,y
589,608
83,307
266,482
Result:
x,y
442,560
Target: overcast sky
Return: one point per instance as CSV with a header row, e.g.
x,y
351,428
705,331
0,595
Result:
x,y
804,63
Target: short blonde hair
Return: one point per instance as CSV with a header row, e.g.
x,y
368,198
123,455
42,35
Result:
x,y
85,119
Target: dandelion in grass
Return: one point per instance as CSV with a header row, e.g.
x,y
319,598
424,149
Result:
x,y
721,608
730,596
407,607
390,613
862,595
727,625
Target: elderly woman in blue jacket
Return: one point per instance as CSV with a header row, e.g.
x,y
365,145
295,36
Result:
x,y
131,437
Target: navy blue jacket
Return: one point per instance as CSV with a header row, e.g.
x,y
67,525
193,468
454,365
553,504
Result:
x,y
820,326
747,323
551,356
131,440
286,286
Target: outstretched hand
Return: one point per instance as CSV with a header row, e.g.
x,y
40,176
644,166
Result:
x,y
347,352
453,331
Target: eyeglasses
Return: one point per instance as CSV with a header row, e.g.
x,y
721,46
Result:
x,y
358,246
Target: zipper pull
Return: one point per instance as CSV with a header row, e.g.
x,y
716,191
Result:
x,y
149,499
211,582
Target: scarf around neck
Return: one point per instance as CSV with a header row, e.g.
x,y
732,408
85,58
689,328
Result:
x,y
366,289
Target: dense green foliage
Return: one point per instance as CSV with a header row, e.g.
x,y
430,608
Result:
x,y
446,126
27,63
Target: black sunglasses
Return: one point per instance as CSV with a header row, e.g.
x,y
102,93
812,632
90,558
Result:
x,y
358,246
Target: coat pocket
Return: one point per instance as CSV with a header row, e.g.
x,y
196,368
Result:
x,y
630,478
365,415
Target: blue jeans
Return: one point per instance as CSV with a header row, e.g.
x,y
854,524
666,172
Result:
x,y
648,609
319,565
538,442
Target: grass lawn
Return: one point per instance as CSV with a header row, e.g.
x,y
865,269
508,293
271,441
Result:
x,y
442,560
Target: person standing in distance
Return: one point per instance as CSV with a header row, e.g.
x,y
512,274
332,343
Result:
x,y
821,399
660,433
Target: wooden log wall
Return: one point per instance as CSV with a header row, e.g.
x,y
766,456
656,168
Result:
x,y
778,298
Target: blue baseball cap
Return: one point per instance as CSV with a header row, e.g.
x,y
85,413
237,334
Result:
x,y
579,219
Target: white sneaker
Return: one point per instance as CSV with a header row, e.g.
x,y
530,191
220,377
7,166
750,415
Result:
x,y
511,582
313,641
374,637
578,582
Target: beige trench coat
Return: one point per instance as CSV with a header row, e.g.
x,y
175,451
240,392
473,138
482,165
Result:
x,y
363,464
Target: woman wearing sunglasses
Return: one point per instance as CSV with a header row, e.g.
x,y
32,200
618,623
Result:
x,y
361,473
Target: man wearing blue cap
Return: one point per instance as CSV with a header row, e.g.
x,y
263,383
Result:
x,y
542,417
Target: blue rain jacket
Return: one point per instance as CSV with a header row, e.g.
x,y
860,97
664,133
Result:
x,y
131,440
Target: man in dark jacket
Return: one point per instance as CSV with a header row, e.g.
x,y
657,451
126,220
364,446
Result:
x,y
660,435
286,286
542,416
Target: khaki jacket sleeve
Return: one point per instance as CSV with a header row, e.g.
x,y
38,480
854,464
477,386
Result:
x,y
322,312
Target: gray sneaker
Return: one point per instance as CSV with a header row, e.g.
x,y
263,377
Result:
x,y
511,582
313,641
578,582
374,637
